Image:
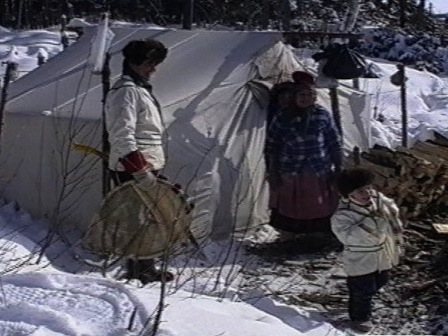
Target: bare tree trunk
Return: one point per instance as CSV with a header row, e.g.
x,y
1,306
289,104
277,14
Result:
x,y
187,21
389,4
403,13
25,15
45,12
19,15
351,16
286,15
421,13
264,21
4,13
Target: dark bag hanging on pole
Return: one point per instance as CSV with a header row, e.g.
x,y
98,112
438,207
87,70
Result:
x,y
343,63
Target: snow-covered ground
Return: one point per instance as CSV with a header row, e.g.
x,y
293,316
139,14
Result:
x,y
51,292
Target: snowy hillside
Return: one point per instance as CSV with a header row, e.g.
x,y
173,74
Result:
x,y
26,47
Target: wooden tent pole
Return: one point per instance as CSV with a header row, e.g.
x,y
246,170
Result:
x,y
404,110
11,67
105,146
356,156
335,109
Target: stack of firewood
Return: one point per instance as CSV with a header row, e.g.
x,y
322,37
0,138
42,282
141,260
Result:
x,y
415,178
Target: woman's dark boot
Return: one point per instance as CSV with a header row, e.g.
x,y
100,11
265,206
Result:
x,y
145,271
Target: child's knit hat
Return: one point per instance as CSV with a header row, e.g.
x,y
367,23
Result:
x,y
354,178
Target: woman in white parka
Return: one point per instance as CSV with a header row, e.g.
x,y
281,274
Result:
x,y
135,132
367,224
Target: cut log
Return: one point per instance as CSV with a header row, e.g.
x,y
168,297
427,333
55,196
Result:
x,y
441,228
381,156
439,139
422,156
426,284
415,178
431,149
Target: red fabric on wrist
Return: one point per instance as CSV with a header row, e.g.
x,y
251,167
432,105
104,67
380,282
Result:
x,y
133,162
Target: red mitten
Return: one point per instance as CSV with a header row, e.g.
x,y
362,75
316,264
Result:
x,y
134,162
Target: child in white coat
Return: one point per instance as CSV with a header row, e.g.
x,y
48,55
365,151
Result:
x,y
367,224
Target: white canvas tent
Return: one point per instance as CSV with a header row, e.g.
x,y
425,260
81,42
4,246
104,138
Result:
x,y
213,91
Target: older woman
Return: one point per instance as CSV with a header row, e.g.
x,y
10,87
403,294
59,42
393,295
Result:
x,y
303,152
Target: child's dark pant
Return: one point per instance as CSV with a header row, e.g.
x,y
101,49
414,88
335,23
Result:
x,y
361,290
